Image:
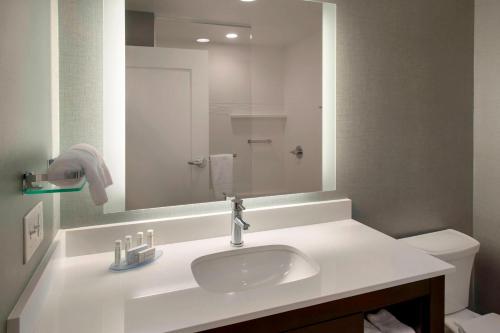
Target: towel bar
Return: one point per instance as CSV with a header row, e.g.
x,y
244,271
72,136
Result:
x,y
234,155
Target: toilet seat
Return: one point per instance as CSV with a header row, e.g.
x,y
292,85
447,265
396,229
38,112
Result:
x,y
489,323
471,322
453,320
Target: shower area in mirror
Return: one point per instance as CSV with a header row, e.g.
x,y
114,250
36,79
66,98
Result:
x,y
223,98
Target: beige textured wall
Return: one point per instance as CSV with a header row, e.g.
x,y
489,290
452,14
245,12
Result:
x,y
487,154
25,136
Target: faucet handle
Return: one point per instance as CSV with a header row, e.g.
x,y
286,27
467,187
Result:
x,y
237,203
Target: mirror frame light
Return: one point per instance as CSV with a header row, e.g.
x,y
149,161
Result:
x,y
113,119
329,93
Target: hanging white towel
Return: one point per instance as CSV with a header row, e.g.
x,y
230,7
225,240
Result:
x,y
221,174
387,323
369,328
87,158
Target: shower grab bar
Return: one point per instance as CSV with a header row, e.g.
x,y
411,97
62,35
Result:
x,y
250,141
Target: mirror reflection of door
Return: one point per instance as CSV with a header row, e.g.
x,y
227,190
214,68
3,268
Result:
x,y
166,89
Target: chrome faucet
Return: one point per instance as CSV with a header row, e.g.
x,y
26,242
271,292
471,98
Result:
x,y
237,222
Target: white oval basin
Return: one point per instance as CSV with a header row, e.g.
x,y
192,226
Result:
x,y
247,268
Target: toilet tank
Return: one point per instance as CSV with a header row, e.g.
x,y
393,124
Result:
x,y
457,249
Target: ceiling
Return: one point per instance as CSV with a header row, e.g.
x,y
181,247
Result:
x,y
262,22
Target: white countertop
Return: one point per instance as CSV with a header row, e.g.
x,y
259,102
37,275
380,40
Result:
x,y
85,297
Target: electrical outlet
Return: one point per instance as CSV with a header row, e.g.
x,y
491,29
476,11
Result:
x,y
33,231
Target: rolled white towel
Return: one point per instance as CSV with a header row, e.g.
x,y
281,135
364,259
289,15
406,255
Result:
x,y
82,157
387,323
369,328
103,168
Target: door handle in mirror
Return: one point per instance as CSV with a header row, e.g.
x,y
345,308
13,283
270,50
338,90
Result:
x,y
199,162
298,152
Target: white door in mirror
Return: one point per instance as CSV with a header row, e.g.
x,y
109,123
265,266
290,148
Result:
x,y
33,231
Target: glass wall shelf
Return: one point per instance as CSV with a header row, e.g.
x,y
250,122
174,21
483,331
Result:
x,y
46,187
38,183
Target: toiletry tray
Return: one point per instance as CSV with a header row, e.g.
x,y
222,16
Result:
x,y
125,267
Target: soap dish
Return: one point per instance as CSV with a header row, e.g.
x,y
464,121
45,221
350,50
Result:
x,y
123,266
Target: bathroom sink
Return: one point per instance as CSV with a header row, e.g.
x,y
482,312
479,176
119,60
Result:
x,y
254,267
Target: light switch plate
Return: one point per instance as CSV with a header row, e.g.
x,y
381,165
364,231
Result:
x,y
33,231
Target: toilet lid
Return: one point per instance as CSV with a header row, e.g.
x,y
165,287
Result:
x,y
489,323
446,244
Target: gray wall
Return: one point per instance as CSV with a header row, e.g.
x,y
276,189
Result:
x,y
487,154
25,136
404,103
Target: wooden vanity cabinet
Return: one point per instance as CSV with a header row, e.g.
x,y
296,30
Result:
x,y
418,304
349,324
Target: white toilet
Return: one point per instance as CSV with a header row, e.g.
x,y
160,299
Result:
x,y
459,250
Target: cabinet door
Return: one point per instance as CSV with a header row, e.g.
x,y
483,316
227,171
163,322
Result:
x,y
349,324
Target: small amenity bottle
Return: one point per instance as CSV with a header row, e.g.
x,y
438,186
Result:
x,y
140,238
128,243
150,238
118,252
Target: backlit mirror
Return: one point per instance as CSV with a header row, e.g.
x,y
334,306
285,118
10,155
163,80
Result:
x,y
220,97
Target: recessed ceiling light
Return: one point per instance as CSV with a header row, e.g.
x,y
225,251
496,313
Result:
x,y
232,35
203,40
247,0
